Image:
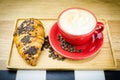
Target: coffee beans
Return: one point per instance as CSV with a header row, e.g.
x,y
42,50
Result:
x,y
64,45
67,46
52,53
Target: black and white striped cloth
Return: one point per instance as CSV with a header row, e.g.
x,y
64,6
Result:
x,y
58,75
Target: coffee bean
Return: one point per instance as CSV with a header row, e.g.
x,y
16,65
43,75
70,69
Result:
x,y
54,56
58,58
66,48
50,48
58,38
51,51
62,58
50,55
46,46
80,50
74,50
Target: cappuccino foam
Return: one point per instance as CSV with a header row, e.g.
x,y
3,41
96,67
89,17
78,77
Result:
x,y
77,21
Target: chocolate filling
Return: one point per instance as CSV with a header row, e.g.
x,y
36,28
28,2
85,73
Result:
x,y
31,50
25,27
24,30
26,39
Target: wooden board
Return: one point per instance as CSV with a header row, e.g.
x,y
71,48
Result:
x,y
103,60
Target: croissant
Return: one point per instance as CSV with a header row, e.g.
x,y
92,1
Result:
x,y
29,38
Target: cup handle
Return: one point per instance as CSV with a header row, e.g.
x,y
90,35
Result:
x,y
99,28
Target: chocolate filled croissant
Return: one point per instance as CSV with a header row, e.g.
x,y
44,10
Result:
x,y
29,38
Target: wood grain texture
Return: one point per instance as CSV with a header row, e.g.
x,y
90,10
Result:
x,y
103,60
115,36
11,10
6,32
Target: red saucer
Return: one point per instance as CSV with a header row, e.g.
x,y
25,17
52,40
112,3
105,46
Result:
x,y
88,49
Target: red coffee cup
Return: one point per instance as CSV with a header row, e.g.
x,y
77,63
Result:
x,y
83,24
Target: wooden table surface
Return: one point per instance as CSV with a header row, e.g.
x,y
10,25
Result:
x,y
11,10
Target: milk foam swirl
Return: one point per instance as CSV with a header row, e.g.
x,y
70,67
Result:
x,y
77,21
